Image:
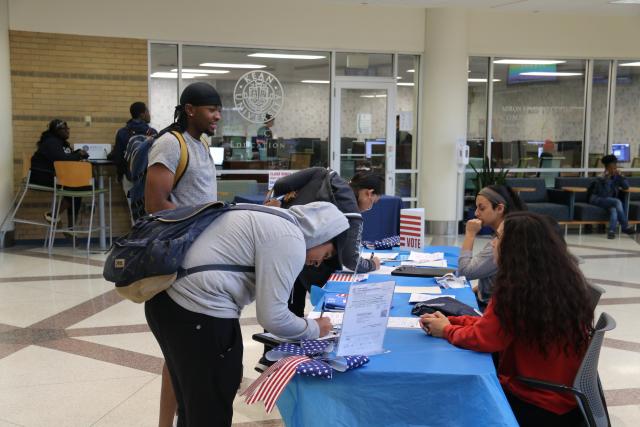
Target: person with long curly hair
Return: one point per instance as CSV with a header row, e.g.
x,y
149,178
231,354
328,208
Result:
x,y
492,204
539,320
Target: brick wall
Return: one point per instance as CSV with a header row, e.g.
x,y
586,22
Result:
x,y
70,77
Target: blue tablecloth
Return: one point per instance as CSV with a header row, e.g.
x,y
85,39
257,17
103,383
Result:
x,y
383,220
421,381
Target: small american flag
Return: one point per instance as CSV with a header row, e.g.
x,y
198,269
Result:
x,y
347,277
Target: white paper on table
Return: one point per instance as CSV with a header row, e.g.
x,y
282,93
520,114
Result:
x,y
426,297
384,269
334,316
365,319
437,263
418,290
385,256
425,256
404,323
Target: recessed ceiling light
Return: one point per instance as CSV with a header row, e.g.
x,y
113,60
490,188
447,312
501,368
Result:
x,y
167,75
223,65
477,80
399,77
199,70
405,84
549,74
320,82
631,64
284,56
411,71
625,2
373,96
528,61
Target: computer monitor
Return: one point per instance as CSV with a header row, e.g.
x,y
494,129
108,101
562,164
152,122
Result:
x,y
622,152
217,153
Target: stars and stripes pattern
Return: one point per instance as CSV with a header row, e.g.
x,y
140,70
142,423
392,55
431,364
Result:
x,y
269,386
410,226
347,277
386,243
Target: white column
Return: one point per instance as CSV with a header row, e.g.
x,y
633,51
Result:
x,y
6,134
444,118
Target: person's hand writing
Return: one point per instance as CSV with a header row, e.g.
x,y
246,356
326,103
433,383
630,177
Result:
x,y
473,227
324,323
434,326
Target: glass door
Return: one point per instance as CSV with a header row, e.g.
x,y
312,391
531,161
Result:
x,y
363,130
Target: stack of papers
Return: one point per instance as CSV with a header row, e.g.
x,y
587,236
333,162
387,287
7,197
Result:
x,y
384,269
422,259
334,316
404,323
385,256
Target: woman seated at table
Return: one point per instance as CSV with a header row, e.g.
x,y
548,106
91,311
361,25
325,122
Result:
x,y
492,204
538,320
53,146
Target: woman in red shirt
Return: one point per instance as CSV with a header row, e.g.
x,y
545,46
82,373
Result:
x,y
538,320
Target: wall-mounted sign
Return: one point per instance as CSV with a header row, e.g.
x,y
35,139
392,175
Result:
x,y
258,93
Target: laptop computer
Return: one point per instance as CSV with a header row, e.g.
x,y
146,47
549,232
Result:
x,y
96,151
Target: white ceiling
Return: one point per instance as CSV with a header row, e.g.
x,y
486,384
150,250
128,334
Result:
x,y
590,7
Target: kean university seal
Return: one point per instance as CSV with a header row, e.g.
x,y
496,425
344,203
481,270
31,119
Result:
x,y
256,94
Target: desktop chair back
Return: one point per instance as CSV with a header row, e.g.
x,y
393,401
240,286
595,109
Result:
x,y
73,174
591,399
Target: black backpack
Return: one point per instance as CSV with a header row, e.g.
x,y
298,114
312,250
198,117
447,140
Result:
x,y
148,259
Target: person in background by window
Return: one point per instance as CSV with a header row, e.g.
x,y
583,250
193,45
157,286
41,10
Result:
x,y
603,192
137,125
53,146
538,320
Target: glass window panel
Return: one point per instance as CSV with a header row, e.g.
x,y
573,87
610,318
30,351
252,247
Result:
x,y
364,64
406,116
163,84
626,131
406,184
538,114
478,87
599,114
298,135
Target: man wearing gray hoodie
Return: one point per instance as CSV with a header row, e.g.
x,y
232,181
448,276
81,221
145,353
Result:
x,y
196,321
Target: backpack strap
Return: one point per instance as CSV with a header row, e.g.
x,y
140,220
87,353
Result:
x,y
184,158
182,272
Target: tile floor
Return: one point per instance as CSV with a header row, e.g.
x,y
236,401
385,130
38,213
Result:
x,y
72,353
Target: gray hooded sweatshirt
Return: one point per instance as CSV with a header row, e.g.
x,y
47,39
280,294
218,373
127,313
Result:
x,y
277,249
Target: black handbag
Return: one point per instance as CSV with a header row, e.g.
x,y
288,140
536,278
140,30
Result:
x,y
445,305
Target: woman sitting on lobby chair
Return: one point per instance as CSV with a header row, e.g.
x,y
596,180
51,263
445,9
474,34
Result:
x,y
53,146
538,320
492,204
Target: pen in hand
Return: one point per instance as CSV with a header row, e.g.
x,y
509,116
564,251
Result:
x,y
372,254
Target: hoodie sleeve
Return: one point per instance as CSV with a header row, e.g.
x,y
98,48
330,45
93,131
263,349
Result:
x,y
277,264
53,150
295,181
478,266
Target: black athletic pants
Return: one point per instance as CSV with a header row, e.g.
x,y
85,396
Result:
x,y
204,357
529,415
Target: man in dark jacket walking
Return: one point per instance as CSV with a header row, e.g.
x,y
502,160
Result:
x,y
604,193
137,125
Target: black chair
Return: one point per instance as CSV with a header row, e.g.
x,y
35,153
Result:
x,y
586,386
632,200
545,201
582,209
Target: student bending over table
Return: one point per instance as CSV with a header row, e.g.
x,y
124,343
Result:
x,y
492,204
196,321
538,320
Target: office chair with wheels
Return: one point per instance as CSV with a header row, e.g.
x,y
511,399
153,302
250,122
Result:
x,y
586,387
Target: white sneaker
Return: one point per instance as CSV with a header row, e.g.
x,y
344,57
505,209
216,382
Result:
x,y
48,216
